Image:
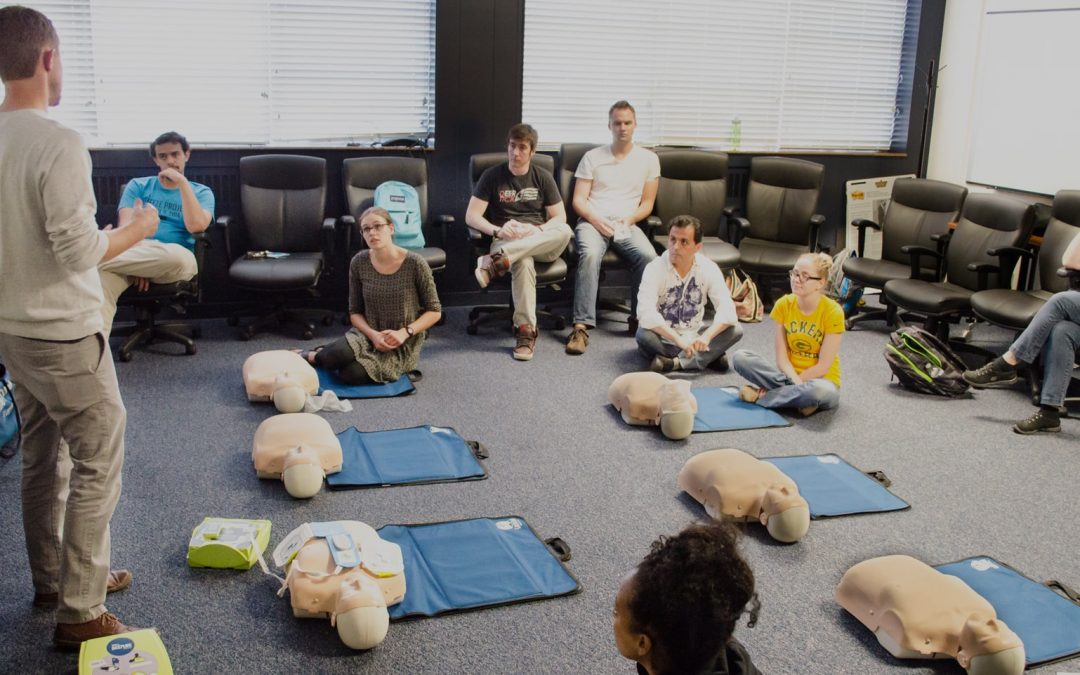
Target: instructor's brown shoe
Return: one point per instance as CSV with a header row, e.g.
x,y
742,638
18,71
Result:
x,y
579,340
72,635
118,581
526,342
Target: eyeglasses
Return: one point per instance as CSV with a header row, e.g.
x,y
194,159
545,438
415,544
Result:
x,y
368,229
802,276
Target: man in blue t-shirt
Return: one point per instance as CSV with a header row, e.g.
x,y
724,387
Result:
x,y
185,208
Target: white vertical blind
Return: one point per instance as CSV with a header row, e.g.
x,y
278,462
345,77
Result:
x,y
795,74
246,71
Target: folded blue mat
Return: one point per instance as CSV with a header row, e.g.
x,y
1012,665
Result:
x,y
720,409
406,456
1047,623
403,385
470,564
832,487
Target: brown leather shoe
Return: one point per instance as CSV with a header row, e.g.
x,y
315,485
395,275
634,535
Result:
x,y
525,342
72,635
118,581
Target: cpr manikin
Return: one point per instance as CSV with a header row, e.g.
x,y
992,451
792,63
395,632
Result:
x,y
299,448
650,399
732,484
917,612
343,570
281,376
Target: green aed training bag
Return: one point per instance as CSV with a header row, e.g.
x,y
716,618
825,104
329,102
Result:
x,y
228,543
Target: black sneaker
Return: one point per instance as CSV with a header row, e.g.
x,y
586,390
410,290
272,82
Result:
x,y
1042,420
663,364
994,375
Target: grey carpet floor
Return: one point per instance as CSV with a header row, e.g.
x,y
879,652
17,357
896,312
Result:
x,y
565,462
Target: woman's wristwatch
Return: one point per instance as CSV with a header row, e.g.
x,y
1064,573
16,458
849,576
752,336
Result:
x,y
409,330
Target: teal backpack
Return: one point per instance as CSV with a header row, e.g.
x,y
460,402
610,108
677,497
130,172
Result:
x,y
403,204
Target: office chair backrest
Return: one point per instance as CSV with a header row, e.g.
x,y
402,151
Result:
x,y
919,209
781,198
570,155
1064,226
692,182
987,221
283,199
481,162
361,175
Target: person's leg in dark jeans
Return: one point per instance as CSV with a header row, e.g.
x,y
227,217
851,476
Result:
x,y
339,359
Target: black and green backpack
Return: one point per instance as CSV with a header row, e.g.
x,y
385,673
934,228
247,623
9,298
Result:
x,y
923,363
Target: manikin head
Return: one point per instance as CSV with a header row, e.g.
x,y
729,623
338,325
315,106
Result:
x,y
377,228
986,648
521,143
677,610
360,612
622,120
302,473
785,514
289,395
676,410
30,54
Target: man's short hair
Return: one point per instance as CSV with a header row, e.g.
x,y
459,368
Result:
x,y
621,105
523,132
24,33
168,137
687,221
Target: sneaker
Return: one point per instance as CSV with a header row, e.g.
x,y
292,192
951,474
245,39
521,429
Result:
x,y
1044,419
579,340
72,635
997,373
118,581
808,410
490,267
664,364
750,393
526,342
721,365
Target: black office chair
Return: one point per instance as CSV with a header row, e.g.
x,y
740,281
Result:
x,y
149,304
919,210
548,274
694,183
570,155
362,175
989,224
779,223
283,200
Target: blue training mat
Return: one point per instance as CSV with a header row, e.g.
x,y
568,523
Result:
x,y
470,564
832,487
406,456
1047,623
403,385
719,409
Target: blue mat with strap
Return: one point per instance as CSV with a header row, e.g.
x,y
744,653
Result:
x,y
470,564
327,382
720,409
424,454
832,487
1047,623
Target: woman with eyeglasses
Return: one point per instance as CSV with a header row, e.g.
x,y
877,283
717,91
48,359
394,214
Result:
x,y
809,327
392,303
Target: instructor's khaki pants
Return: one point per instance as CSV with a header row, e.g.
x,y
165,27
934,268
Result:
x,y
545,246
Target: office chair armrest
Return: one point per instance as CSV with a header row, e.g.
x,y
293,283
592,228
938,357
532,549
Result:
x,y
984,270
223,223
862,224
650,225
1073,275
1010,251
445,221
329,232
915,253
817,221
347,224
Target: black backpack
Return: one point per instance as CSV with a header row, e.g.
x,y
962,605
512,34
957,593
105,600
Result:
x,y
923,363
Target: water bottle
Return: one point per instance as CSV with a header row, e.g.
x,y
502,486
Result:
x,y
736,133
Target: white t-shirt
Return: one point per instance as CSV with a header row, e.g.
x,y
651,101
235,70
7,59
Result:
x,y
666,298
617,185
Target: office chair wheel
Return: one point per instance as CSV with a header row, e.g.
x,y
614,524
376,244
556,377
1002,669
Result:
x,y
190,349
848,324
246,334
124,355
560,324
471,329
328,320
473,314
307,335
233,321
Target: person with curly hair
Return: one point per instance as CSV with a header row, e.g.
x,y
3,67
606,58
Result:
x,y
676,612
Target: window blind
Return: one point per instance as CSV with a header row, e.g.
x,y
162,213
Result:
x,y
768,75
246,71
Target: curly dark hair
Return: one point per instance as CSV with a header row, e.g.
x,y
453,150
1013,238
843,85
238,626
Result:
x,y
688,593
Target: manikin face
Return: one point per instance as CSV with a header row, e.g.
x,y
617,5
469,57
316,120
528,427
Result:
x,y
804,279
171,156
519,153
631,645
622,124
378,233
56,76
682,247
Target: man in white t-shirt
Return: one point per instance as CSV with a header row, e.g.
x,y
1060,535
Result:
x,y
616,188
671,305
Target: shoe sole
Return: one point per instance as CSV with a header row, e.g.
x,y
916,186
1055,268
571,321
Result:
x,y
1037,431
996,384
480,274
520,357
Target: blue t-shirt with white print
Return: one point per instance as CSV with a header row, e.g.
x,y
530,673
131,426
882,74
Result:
x,y
169,204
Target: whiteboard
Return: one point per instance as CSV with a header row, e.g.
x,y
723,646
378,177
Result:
x,y
1025,132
